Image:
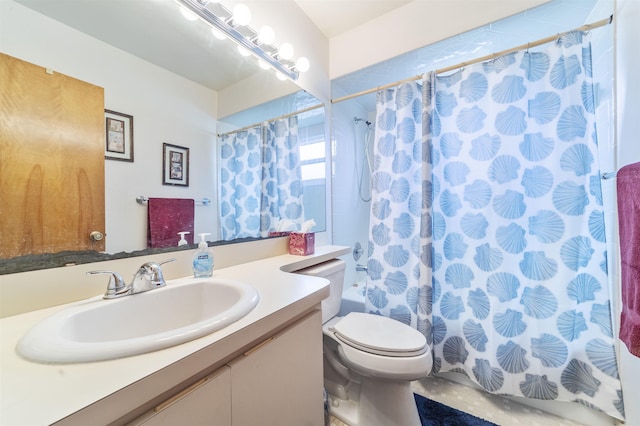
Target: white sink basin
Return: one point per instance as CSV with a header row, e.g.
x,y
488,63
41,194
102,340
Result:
x,y
97,329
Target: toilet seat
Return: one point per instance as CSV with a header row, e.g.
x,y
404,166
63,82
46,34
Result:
x,y
379,335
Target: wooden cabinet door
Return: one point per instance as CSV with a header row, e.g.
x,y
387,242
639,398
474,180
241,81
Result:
x,y
279,382
205,403
51,161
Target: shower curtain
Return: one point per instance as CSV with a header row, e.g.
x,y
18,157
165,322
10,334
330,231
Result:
x,y
260,179
518,298
282,194
399,274
240,176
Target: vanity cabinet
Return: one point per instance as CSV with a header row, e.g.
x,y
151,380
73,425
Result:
x,y
277,381
206,402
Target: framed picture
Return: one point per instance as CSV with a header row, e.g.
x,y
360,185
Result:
x,y
175,165
118,136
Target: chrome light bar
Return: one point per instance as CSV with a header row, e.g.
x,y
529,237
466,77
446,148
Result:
x,y
225,26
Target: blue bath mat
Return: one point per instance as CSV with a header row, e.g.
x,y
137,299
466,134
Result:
x,y
433,413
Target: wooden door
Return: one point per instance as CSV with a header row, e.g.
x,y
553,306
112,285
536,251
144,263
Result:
x,y
51,161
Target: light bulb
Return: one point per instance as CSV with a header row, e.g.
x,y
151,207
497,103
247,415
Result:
x,y
266,35
218,34
263,64
243,51
280,76
188,15
285,51
241,14
303,64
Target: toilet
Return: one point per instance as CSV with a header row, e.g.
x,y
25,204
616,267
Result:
x,y
369,360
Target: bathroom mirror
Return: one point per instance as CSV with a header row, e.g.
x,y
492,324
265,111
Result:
x,y
154,32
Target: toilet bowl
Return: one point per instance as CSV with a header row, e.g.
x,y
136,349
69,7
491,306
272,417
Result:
x,y
369,360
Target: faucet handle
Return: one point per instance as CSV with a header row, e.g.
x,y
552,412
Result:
x,y
155,270
173,259
153,266
116,286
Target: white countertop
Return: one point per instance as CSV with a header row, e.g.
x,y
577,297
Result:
x,y
38,394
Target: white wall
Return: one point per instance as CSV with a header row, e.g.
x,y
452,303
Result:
x,y
166,108
350,211
417,24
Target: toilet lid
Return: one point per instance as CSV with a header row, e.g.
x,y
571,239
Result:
x,y
380,335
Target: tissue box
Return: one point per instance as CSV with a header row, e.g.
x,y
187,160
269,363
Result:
x,y
279,233
302,244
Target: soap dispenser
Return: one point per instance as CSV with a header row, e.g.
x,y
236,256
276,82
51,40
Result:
x,y
183,241
203,259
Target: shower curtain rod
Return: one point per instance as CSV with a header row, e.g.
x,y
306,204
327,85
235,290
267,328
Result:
x,y
251,126
542,41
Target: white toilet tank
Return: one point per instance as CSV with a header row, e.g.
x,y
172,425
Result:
x,y
333,270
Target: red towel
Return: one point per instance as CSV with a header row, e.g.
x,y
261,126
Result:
x,y
628,188
167,217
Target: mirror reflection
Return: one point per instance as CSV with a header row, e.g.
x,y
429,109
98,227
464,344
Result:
x,y
175,81
273,172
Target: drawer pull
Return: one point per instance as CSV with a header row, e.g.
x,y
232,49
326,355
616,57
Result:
x,y
259,346
181,395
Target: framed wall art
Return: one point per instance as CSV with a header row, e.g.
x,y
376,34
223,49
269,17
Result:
x,y
175,165
118,136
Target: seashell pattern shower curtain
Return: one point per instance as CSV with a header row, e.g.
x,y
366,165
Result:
x,y
518,300
260,179
282,189
240,176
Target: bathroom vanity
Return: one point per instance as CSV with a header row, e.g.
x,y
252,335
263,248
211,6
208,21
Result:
x,y
265,368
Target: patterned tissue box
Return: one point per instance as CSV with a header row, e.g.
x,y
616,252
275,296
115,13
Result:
x,y
302,244
279,233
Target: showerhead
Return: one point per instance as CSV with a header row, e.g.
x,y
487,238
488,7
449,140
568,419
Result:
x,y
357,120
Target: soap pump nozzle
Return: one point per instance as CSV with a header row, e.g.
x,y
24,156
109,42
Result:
x,y
203,242
183,241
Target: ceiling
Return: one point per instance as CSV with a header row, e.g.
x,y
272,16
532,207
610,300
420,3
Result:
x,y
168,40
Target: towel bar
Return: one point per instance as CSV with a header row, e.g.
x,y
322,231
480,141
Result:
x,y
140,199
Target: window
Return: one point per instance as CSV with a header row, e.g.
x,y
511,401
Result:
x,y
312,154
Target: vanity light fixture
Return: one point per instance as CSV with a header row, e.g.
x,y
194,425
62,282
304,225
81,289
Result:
x,y
302,64
235,26
241,15
266,35
286,51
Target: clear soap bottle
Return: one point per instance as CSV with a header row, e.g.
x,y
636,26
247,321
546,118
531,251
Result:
x,y
203,259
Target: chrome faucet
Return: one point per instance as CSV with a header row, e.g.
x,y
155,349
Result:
x,y
116,287
148,277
